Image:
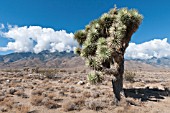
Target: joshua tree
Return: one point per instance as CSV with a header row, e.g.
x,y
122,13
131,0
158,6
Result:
x,y
103,43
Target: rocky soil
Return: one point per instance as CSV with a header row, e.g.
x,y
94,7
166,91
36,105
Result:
x,y
67,90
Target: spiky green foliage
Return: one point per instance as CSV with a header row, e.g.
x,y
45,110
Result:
x,y
94,77
105,39
80,36
77,51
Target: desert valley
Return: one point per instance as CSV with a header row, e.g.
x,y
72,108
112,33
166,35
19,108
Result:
x,y
27,88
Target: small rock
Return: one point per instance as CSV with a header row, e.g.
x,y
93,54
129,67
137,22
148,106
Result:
x,y
16,80
61,93
80,83
7,81
2,93
88,84
44,94
12,91
2,98
25,96
4,109
59,81
45,100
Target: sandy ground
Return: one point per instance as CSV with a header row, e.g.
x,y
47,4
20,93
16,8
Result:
x,y
24,92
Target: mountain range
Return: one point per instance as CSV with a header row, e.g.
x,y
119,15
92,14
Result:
x,y
46,59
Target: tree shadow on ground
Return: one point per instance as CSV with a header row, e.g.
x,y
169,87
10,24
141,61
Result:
x,y
146,94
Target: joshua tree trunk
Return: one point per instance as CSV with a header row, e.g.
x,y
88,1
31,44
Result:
x,y
117,83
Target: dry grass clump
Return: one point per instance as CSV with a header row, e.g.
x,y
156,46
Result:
x,y
67,80
15,84
37,92
76,104
79,101
2,98
48,86
49,101
73,96
61,93
2,93
127,109
83,71
62,70
69,106
8,103
12,70
95,94
72,90
51,95
109,94
23,109
86,94
51,104
129,76
19,93
37,100
95,105
49,74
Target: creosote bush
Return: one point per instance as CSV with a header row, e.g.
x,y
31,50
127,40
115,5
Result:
x,y
37,100
129,76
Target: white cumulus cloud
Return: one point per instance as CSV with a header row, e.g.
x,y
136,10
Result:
x,y
2,26
36,39
155,48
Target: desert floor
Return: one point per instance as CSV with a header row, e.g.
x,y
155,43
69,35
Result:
x,y
60,91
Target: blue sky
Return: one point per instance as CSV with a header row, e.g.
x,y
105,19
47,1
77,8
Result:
x,y
72,15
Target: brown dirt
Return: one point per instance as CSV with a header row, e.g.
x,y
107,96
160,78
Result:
x,y
149,93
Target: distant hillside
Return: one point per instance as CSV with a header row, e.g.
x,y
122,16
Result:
x,y
42,59
158,62
57,59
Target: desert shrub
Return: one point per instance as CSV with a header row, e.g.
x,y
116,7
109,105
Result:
x,y
86,94
36,100
83,71
8,102
51,104
77,104
37,70
79,101
95,104
75,71
69,106
37,92
61,93
19,93
72,89
51,95
129,76
2,93
63,70
12,70
73,96
95,94
23,109
49,75
94,78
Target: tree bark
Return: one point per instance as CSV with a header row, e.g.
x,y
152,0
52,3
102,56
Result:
x,y
117,83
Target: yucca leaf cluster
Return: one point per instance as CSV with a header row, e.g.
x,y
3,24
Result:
x,y
106,37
